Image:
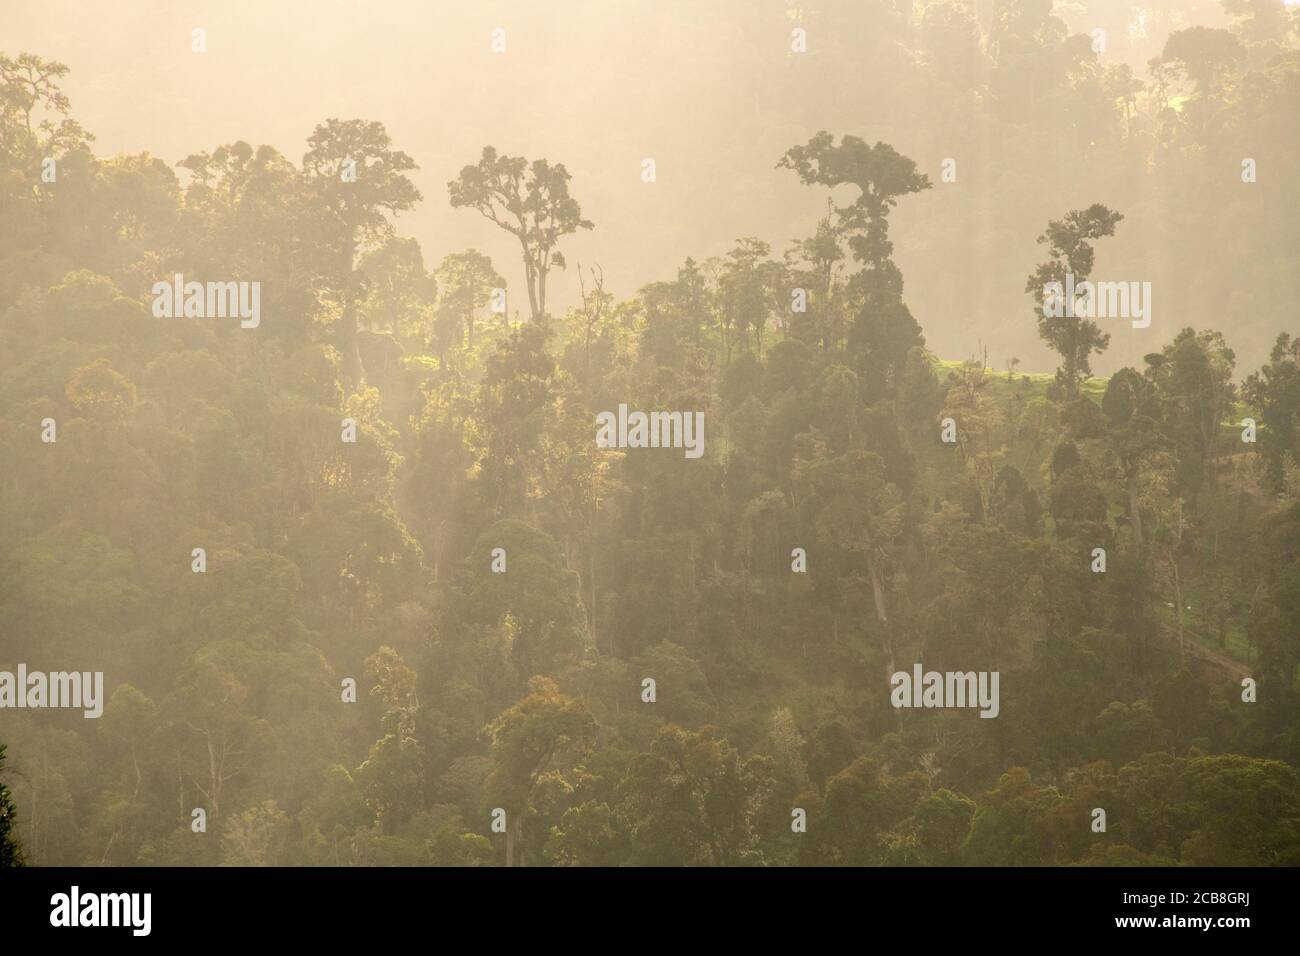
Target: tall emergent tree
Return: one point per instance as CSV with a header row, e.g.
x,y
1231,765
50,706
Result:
x,y
882,174
883,331
357,178
1074,337
529,201
31,87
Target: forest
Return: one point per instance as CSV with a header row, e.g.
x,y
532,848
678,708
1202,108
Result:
x,y
377,572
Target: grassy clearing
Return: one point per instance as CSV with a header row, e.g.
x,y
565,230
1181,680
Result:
x,y
1024,384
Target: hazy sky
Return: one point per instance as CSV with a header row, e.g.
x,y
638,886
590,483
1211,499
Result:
x,y
595,84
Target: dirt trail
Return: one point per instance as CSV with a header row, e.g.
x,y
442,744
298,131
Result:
x,y
1215,659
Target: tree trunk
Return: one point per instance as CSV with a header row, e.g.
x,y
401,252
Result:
x,y
541,292
513,837
352,371
1178,611
877,590
530,279
591,591
1134,513
214,781
878,598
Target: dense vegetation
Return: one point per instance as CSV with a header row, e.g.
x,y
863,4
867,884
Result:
x,y
328,560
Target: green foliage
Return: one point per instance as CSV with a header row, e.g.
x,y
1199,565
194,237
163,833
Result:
x,y
531,201
11,854
520,691
1073,337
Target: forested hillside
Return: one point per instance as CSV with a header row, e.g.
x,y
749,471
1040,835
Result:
x,y
366,588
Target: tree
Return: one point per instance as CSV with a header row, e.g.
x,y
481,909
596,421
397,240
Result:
x,y
30,80
11,854
513,408
247,214
390,779
882,174
591,318
467,280
529,201
830,749
1073,337
1170,526
1246,809
1132,411
99,392
399,292
589,834
688,799
29,83
1275,621
358,180
942,822
1012,824
863,808
215,735
858,510
545,731
538,592
1025,43
979,438
255,837
822,261
1203,55
1275,391
1014,504
750,285
1192,379
883,331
